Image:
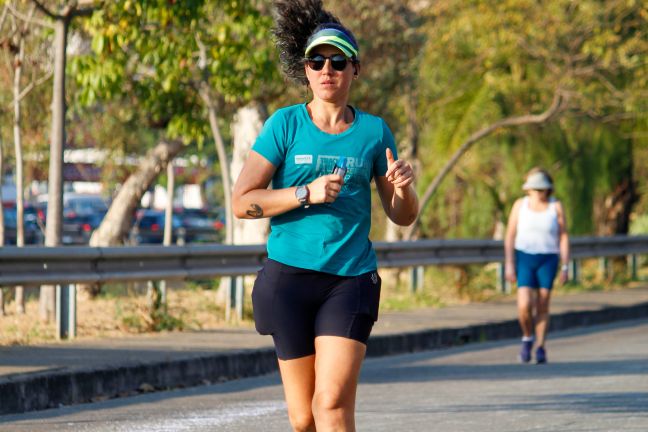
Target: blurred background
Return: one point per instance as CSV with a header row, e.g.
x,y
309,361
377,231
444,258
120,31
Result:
x,y
147,122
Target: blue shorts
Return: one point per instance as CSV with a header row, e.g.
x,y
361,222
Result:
x,y
536,270
296,305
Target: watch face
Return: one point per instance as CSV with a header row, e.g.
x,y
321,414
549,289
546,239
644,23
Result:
x,y
301,193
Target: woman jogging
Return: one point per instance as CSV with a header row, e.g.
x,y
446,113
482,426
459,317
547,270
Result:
x,y
318,293
536,242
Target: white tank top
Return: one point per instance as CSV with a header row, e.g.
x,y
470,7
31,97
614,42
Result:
x,y
537,232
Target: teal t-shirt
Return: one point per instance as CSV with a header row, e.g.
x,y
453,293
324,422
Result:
x,y
330,237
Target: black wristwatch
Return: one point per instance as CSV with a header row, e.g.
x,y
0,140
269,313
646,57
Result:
x,y
302,193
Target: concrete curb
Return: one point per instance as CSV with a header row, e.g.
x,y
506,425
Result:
x,y
52,389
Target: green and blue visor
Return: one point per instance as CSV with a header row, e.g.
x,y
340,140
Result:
x,y
336,38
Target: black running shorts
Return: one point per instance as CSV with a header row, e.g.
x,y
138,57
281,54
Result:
x,y
295,305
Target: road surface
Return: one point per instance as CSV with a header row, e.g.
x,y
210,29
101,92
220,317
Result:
x,y
596,380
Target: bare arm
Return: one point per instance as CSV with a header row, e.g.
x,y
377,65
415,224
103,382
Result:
x,y
397,195
563,240
251,198
509,241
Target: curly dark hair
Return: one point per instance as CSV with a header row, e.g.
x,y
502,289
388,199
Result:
x,y
295,22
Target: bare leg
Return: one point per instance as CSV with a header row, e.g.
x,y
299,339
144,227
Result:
x,y
542,316
298,377
337,366
525,300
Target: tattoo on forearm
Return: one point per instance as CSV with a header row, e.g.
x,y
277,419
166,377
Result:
x,y
255,211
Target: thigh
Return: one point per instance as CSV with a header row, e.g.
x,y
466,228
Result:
x,y
350,308
337,367
525,269
547,271
525,297
285,302
298,378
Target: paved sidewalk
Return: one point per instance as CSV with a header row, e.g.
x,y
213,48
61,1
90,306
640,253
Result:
x,y
38,377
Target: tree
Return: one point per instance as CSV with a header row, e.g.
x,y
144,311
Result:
x,y
181,63
62,17
22,26
486,64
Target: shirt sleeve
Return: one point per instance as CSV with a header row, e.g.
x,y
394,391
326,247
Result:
x,y
271,142
387,140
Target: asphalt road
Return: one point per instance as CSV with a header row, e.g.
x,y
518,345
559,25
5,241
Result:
x,y
596,380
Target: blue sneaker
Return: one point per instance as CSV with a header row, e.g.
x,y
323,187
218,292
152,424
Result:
x,y
525,351
541,355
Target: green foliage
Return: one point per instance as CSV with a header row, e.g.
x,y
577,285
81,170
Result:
x,y
639,225
147,55
485,61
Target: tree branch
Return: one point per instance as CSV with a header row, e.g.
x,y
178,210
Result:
x,y
3,17
554,108
32,85
46,11
28,19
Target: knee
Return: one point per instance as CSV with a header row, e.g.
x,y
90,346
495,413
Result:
x,y
524,307
302,422
328,403
543,308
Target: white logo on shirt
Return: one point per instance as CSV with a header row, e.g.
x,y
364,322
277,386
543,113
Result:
x,y
303,159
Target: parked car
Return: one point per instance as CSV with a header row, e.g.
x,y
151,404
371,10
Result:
x,y
33,232
78,228
201,225
148,227
84,204
82,214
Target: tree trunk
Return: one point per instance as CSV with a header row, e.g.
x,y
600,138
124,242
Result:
x,y
616,211
617,208
168,211
223,159
393,277
116,224
57,142
2,300
2,222
20,202
246,126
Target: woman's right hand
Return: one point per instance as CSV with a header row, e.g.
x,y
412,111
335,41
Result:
x,y
510,273
325,189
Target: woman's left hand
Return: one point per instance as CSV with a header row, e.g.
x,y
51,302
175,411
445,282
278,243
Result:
x,y
399,173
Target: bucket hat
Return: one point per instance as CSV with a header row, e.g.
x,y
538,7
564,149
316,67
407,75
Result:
x,y
537,181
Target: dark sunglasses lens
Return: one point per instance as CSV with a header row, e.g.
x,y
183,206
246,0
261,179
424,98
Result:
x,y
316,63
338,62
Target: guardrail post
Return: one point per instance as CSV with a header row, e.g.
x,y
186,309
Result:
x,y
234,298
416,278
503,285
230,297
66,311
163,294
574,271
239,297
633,266
604,267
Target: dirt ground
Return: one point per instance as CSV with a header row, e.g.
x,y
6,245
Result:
x,y
121,310
116,314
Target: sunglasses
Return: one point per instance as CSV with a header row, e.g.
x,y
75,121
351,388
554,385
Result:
x,y
316,62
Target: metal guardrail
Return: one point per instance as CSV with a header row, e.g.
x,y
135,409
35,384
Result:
x,y
67,266
82,264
